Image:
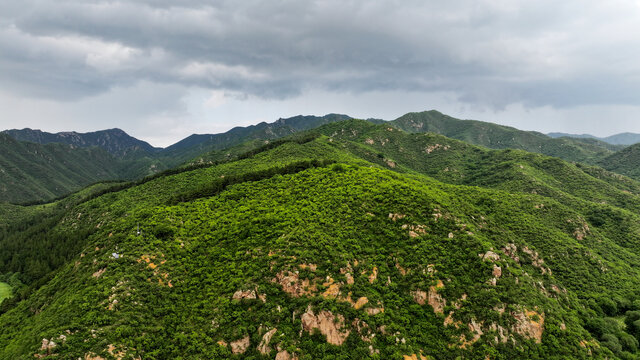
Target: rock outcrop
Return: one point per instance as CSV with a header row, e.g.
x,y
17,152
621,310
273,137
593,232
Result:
x,y
328,324
264,347
241,345
529,324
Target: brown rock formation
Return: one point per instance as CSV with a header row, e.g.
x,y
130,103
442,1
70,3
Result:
x,y
241,345
329,325
529,324
266,339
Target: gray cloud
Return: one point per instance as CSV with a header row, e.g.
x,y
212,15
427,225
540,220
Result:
x,y
493,53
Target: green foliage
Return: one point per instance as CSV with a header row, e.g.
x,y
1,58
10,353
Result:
x,y
5,291
496,136
348,197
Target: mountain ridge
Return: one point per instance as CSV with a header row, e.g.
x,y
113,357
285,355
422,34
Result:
x,y
624,138
115,141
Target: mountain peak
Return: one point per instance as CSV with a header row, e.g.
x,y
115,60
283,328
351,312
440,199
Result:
x,y
115,141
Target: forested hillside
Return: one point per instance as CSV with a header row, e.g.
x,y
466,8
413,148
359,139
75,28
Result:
x,y
495,136
353,240
625,161
114,141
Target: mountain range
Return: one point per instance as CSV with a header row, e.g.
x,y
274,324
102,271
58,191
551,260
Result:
x,y
127,158
352,239
617,139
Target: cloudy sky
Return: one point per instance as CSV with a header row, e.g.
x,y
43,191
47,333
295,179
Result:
x,y
161,71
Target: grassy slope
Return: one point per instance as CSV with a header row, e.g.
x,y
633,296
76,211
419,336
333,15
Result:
x,y
5,291
330,216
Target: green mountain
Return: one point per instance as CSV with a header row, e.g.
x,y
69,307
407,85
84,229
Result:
x,y
30,171
114,141
349,241
625,161
197,144
617,139
495,136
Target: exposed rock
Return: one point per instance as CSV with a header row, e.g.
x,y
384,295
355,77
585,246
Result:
x,y
264,344
489,256
369,141
329,325
536,260
374,275
360,303
449,320
241,345
416,230
503,336
244,294
92,356
419,296
582,230
497,271
312,267
512,251
390,163
333,290
99,273
476,329
292,285
529,324
436,301
432,297
431,148
402,270
48,345
349,278
374,311
284,355
396,217
414,357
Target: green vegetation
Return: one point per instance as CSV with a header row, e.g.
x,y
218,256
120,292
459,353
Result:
x,y
625,162
351,240
495,136
5,291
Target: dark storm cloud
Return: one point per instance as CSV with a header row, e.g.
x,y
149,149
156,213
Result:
x,y
489,52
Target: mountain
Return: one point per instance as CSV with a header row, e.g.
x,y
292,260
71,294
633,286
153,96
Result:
x,y
114,141
30,171
625,161
617,139
495,136
197,144
352,240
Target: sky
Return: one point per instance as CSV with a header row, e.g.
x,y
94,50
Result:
x,y
162,70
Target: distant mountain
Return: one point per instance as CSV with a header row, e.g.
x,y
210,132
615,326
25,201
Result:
x,y
198,144
31,171
626,138
114,141
577,136
496,136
